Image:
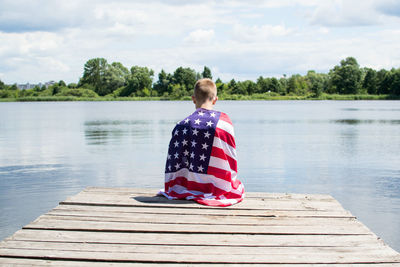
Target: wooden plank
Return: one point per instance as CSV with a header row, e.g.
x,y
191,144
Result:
x,y
195,211
165,257
193,219
158,201
217,250
17,262
87,225
199,239
154,191
251,196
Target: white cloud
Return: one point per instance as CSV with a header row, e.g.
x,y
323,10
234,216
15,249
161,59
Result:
x,y
200,37
344,13
243,33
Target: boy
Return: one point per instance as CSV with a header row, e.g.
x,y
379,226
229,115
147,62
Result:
x,y
201,163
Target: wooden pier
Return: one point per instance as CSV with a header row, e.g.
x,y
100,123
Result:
x,y
133,227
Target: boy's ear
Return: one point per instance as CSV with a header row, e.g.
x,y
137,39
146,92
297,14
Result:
x,y
194,99
215,100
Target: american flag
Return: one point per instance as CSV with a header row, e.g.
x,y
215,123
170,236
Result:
x,y
201,163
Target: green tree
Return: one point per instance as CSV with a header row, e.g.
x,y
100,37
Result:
x,y
55,89
346,77
139,79
206,73
2,85
316,82
284,84
72,85
37,88
240,88
220,86
385,80
395,90
370,82
251,87
232,87
185,77
275,86
178,91
263,84
162,85
62,83
94,73
115,76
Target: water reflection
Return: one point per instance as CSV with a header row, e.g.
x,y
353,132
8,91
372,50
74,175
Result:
x,y
336,121
102,132
21,169
357,121
370,109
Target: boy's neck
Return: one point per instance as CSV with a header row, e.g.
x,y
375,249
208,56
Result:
x,y
205,105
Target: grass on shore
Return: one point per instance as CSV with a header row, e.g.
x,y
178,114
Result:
x,y
222,97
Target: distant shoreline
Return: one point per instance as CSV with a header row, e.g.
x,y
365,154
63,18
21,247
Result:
x,y
226,97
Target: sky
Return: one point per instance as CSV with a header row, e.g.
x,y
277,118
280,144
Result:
x,y
43,40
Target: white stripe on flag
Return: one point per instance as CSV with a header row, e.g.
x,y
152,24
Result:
x,y
226,126
222,164
183,190
229,150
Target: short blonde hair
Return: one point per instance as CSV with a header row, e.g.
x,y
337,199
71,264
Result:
x,y
205,89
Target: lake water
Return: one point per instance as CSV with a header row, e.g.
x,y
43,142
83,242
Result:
x,y
349,149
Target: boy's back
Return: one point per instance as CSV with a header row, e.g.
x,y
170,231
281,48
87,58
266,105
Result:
x,y
201,163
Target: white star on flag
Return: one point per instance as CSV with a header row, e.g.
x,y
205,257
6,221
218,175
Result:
x,y
177,165
184,130
205,146
184,142
169,156
186,153
210,123
187,120
197,121
212,115
207,135
202,157
194,143
195,132
176,155
176,143
200,168
191,166
169,167
176,132
201,113
192,155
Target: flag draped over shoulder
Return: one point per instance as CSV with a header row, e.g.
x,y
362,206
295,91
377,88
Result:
x,y
201,163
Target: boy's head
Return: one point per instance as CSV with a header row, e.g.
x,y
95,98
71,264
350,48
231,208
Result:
x,y
205,93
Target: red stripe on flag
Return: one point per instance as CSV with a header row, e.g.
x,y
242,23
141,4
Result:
x,y
225,136
219,153
219,173
225,117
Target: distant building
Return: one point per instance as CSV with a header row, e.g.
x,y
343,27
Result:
x,y
27,86
49,83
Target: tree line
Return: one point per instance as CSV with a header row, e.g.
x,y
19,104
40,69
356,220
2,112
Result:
x,y
115,80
